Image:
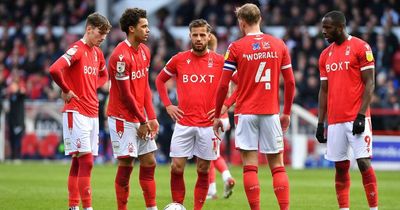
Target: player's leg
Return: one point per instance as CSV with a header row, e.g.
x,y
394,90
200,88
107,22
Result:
x,y
124,144
280,180
201,187
177,181
222,167
250,178
362,147
337,151
212,188
73,190
247,134
121,183
229,181
271,143
146,174
182,143
81,138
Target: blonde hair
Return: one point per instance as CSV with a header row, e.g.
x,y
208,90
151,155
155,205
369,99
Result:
x,y
249,13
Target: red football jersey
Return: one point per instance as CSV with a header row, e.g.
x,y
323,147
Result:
x,y
258,59
127,63
341,65
82,77
197,79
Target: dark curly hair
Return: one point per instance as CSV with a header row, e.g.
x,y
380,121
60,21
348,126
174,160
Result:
x,y
131,17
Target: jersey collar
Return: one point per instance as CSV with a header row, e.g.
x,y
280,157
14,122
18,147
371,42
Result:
x,y
257,33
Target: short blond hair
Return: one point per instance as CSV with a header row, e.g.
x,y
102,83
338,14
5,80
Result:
x,y
249,13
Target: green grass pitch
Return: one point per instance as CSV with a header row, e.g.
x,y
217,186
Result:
x,y
43,186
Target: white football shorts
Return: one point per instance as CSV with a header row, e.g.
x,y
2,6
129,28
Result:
x,y
81,133
259,132
189,141
124,139
340,137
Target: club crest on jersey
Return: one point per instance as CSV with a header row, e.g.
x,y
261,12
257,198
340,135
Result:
x,y
210,63
120,67
369,56
256,46
347,50
144,55
188,61
330,53
266,45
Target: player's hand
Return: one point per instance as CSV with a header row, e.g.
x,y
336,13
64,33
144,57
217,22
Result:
x,y
320,133
285,121
218,126
359,124
174,112
224,109
143,131
68,96
154,127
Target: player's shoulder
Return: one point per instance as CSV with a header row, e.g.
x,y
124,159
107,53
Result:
x,y
326,50
182,55
75,49
359,43
216,55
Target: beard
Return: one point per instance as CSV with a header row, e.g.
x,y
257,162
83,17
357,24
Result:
x,y
199,49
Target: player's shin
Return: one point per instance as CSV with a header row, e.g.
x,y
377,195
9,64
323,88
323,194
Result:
x,y
252,186
73,190
370,187
177,187
201,189
122,186
84,174
146,179
342,183
281,187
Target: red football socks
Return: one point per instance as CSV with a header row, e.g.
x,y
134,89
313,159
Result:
x,y
177,187
252,186
220,164
211,173
281,187
146,179
73,190
370,186
342,183
200,190
84,174
122,186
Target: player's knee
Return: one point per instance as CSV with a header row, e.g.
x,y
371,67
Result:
x,y
177,168
203,166
342,166
363,164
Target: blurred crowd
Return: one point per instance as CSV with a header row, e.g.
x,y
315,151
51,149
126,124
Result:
x,y
29,44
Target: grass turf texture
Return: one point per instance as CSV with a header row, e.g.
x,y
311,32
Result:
x,y
43,185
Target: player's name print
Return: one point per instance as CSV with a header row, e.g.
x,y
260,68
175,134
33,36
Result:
x,y
260,55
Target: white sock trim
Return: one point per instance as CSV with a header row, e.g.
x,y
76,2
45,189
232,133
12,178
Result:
x,y
226,175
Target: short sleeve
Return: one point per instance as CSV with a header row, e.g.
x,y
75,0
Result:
x,y
170,67
72,54
230,57
286,62
119,67
365,57
322,67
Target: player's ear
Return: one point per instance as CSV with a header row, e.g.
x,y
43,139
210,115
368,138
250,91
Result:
x,y
131,29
